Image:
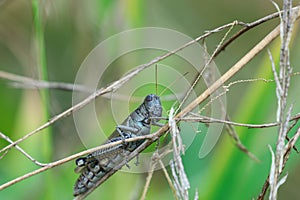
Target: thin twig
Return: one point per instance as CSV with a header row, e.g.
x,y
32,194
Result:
x,y
199,75
22,151
157,158
30,83
168,179
233,134
248,26
26,82
289,129
149,177
246,81
204,119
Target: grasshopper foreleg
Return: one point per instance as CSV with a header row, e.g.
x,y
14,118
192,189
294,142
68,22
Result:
x,y
123,131
124,128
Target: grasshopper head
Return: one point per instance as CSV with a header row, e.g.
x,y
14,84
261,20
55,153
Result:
x,y
153,105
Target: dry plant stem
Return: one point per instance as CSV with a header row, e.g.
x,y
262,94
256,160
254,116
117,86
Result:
x,y
168,179
290,145
153,137
180,179
148,179
282,85
157,158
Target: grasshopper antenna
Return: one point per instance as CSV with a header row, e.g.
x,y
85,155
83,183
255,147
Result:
x,y
156,79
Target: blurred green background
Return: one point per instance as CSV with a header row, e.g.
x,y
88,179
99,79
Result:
x,y
53,45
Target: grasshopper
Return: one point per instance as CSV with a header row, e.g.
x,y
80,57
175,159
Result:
x,y
97,164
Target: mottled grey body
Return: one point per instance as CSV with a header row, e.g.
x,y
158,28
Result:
x,y
97,164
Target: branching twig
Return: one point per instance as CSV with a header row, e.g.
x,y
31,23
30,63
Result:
x,y
290,145
22,151
282,86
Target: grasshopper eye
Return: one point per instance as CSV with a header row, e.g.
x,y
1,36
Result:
x,y
149,98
